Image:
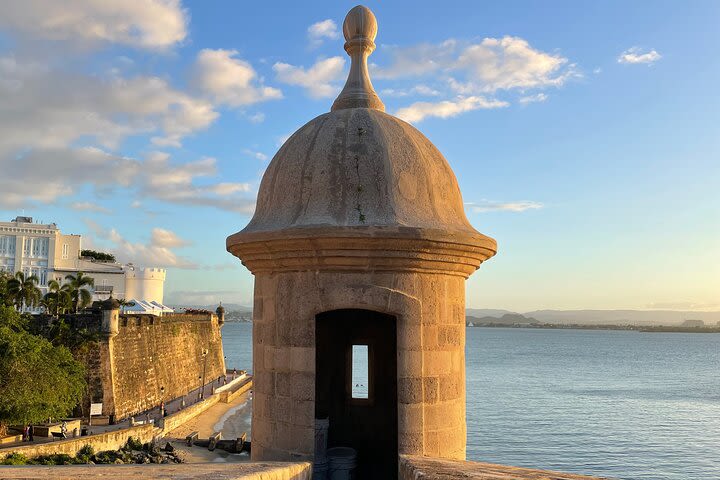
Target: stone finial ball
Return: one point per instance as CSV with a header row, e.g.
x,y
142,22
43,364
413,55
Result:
x,y
360,22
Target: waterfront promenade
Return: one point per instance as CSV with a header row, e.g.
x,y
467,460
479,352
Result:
x,y
111,437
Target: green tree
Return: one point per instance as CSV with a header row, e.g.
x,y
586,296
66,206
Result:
x,y
58,300
37,380
23,290
5,298
100,256
77,286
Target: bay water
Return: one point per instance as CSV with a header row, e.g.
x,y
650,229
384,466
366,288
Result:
x,y
620,404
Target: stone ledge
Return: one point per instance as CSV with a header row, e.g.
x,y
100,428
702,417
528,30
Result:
x,y
426,468
234,471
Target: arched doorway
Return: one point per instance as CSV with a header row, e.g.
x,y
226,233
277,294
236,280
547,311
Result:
x,y
355,346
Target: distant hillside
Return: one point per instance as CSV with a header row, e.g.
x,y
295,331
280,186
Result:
x,y
500,316
506,319
487,312
623,317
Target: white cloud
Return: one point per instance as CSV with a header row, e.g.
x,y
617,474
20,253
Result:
x,y
538,97
230,80
166,238
45,108
319,80
416,60
256,155
638,55
319,31
420,90
43,175
493,206
46,112
152,24
48,174
176,183
510,62
471,71
447,108
492,64
89,207
156,253
258,117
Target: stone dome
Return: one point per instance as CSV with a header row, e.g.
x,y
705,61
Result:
x,y
357,172
359,167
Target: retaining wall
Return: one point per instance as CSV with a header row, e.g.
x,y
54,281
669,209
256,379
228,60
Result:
x,y
102,441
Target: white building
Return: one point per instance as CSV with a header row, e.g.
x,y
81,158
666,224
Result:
x,y
42,250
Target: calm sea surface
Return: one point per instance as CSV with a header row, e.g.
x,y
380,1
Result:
x,y
621,404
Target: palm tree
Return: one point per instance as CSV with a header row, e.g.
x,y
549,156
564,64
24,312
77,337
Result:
x,y
23,290
57,301
76,286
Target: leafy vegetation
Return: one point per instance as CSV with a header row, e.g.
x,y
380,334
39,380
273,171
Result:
x,y
134,451
38,380
4,296
77,286
58,299
23,291
100,256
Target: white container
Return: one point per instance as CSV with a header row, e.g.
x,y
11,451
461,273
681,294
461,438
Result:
x,y
342,463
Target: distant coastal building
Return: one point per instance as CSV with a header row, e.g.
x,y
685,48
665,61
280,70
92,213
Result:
x,y
42,250
693,323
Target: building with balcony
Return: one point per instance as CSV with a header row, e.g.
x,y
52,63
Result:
x,y
42,250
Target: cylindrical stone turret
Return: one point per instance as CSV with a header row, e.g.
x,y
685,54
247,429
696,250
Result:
x,y
359,239
110,316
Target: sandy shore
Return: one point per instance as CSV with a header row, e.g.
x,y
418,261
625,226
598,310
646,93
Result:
x,y
232,419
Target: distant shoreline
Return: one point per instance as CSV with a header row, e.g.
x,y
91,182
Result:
x,y
635,328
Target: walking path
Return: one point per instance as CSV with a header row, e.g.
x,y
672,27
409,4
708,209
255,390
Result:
x,y
172,406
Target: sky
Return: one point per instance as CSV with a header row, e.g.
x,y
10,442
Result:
x,y
585,136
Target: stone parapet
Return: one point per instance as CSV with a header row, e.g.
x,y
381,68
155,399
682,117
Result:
x,y
233,471
425,468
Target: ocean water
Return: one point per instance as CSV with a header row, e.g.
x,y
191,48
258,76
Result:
x,y
626,405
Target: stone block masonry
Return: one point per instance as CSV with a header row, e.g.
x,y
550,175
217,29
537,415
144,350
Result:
x,y
233,471
154,359
424,468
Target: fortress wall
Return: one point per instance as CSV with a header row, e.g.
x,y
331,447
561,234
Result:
x,y
153,352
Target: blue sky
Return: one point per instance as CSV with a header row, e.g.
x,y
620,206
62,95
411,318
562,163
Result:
x,y
585,136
